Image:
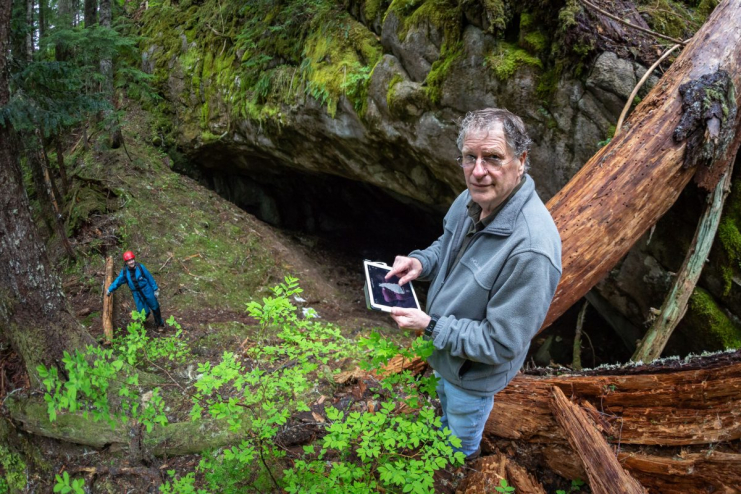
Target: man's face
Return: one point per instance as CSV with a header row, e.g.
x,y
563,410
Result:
x,y
488,185
130,263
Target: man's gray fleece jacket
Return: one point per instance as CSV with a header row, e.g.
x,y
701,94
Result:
x,y
495,299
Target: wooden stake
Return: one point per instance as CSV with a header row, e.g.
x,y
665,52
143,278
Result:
x,y
606,476
675,305
108,301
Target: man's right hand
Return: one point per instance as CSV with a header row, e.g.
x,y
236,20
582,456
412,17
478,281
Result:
x,y
108,294
406,268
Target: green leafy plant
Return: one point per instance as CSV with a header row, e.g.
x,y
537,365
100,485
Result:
x,y
65,484
504,486
96,375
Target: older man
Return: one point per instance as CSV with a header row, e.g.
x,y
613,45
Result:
x,y
494,271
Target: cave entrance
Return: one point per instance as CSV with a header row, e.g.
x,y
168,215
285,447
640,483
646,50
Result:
x,y
350,219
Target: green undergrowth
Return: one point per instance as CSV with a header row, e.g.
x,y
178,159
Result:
x,y
390,441
713,329
12,471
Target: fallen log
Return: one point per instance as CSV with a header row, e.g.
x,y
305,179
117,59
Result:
x,y
693,404
603,469
630,183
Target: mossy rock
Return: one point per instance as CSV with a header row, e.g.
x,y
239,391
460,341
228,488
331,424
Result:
x,y
711,328
507,59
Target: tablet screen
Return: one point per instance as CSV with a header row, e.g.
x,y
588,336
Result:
x,y
388,293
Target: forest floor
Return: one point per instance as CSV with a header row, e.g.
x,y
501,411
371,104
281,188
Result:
x,y
210,259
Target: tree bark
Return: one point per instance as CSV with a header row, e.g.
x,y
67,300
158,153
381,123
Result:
x,y
630,183
60,164
29,33
91,13
34,316
106,70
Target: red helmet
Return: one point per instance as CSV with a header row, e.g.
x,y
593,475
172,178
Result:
x,y
128,255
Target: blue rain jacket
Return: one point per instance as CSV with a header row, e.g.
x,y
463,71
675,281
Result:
x,y
142,287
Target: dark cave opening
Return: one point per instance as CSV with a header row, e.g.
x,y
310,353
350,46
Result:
x,y
352,219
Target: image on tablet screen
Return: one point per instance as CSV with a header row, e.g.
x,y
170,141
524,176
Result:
x,y
389,292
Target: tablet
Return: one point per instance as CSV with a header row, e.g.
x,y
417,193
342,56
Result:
x,y
382,294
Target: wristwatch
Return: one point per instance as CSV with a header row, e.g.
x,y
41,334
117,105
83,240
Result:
x,y
430,327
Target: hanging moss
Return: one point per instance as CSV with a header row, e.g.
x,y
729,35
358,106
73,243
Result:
x,y
712,329
507,58
498,13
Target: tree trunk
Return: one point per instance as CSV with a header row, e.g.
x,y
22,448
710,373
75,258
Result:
x,y
106,70
60,164
630,183
91,13
29,33
43,6
34,316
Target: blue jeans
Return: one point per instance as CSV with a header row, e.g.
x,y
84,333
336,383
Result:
x,y
464,414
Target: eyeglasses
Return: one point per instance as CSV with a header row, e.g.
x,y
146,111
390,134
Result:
x,y
491,163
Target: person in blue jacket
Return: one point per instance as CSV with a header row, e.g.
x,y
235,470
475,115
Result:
x,y
142,285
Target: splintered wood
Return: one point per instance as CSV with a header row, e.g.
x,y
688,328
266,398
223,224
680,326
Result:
x,y
606,476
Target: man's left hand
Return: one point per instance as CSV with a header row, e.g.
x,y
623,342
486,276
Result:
x,y
413,319
157,294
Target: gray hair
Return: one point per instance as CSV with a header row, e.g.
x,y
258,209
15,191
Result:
x,y
515,132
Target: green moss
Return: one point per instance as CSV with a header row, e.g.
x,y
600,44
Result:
x,y
257,56
670,17
535,42
705,8
548,83
498,12
14,469
507,59
567,15
440,71
390,94
373,8
715,331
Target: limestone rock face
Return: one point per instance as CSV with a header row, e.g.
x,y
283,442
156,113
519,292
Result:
x,y
403,141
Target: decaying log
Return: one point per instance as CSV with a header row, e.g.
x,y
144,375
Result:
x,y
630,183
108,301
606,476
707,472
672,403
488,472
675,305
691,403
